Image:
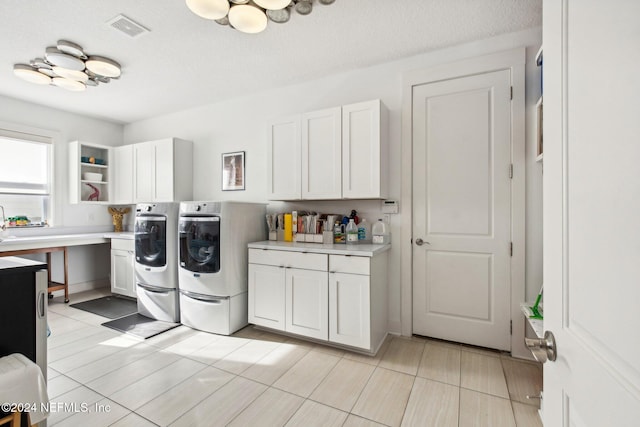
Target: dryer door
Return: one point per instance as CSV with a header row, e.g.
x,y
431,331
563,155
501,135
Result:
x,y
200,244
151,240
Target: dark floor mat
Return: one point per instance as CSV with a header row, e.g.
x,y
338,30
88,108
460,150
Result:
x,y
110,307
140,326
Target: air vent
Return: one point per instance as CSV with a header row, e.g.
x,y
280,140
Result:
x,y
127,26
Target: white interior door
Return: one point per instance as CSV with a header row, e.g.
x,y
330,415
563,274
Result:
x,y
592,211
461,202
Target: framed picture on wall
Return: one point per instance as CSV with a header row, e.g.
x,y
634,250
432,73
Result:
x,y
233,171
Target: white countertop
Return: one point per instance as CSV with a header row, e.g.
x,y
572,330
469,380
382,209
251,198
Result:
x,y
11,262
339,249
125,235
13,243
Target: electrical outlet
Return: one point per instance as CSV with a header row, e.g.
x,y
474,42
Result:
x,y
386,218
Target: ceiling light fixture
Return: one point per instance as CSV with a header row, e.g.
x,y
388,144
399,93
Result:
x,y
67,66
250,16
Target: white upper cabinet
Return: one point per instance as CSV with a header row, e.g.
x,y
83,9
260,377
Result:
x,y
163,171
122,171
284,159
89,173
331,154
144,168
364,151
168,172
321,153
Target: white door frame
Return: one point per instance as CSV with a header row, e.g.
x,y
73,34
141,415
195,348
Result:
x,y
513,60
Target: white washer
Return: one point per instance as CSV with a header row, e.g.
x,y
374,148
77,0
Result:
x,y
212,274
156,250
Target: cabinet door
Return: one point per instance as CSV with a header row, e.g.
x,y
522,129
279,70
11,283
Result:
x,y
122,167
283,168
321,154
349,310
307,303
143,164
164,171
122,274
363,162
267,296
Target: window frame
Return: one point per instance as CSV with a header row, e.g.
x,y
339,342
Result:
x,y
39,136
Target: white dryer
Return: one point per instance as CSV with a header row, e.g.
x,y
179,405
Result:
x,y
212,274
156,251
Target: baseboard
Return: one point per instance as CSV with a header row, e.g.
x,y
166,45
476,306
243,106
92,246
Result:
x,y
84,286
395,327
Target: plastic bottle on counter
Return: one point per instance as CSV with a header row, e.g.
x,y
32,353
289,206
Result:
x,y
363,233
352,232
338,233
380,233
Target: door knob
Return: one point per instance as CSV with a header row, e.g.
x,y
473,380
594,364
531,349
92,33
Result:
x,y
543,349
421,242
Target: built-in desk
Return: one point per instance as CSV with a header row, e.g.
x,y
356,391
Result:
x,y
17,246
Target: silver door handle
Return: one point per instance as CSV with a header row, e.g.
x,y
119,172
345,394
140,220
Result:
x,y
543,349
421,242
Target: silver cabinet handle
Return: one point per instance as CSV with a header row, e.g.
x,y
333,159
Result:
x,y
543,349
421,242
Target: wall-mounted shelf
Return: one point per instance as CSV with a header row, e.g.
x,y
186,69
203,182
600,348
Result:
x,y
94,158
92,165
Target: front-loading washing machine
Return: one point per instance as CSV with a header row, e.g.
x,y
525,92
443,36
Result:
x,y
156,251
212,273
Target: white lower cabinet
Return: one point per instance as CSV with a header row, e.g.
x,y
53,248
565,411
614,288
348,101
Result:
x,y
358,300
350,314
266,296
306,306
122,271
336,298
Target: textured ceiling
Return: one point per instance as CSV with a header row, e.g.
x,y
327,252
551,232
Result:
x,y
186,61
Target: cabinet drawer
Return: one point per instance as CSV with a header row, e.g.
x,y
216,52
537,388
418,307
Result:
x,y
306,261
123,244
349,264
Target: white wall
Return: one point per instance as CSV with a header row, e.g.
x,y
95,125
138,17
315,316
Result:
x,y
240,125
91,263
64,127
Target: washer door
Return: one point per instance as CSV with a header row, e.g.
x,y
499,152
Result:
x,y
151,240
200,244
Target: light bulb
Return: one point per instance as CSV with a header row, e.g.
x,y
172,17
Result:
x,y
248,19
273,4
27,73
209,9
68,84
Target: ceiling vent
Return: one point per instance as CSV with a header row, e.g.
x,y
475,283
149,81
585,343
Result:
x,y
127,26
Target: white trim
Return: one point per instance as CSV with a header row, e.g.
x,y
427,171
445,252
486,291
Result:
x,y
52,137
76,288
514,60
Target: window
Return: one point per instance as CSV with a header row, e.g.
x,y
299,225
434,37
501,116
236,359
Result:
x,y
25,176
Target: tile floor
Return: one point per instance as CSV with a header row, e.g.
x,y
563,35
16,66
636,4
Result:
x,y
254,378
